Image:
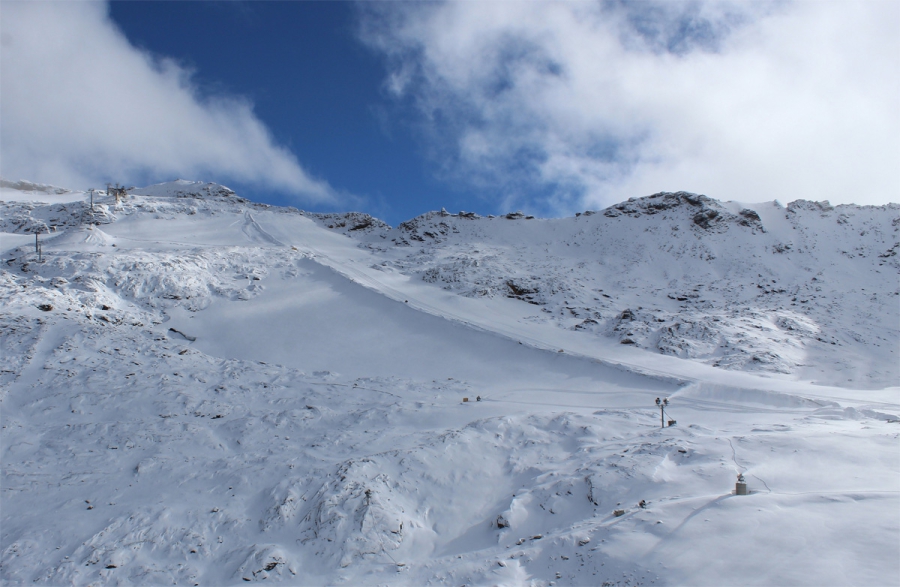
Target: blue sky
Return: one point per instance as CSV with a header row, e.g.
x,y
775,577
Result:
x,y
314,84
397,108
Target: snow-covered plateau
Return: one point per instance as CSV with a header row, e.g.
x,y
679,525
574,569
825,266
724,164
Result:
x,y
196,389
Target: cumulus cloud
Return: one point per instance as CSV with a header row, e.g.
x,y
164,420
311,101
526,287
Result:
x,y
564,105
81,105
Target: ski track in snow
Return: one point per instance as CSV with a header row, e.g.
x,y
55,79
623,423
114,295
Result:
x,y
314,431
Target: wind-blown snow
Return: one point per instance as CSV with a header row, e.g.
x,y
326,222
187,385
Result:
x,y
197,389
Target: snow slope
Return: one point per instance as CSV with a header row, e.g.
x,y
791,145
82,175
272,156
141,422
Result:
x,y
809,289
197,389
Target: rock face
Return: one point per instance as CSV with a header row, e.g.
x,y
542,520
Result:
x,y
660,202
706,213
349,222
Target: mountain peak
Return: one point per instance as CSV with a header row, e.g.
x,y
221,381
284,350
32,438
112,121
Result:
x,y
183,188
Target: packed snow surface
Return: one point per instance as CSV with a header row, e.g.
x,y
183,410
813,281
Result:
x,y
200,390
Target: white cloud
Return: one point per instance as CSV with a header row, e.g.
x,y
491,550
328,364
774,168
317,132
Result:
x,y
569,104
80,105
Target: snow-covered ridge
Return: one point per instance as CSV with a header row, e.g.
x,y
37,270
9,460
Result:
x,y
806,288
182,188
27,186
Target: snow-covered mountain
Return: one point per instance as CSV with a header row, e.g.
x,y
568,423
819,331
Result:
x,y
199,389
808,288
